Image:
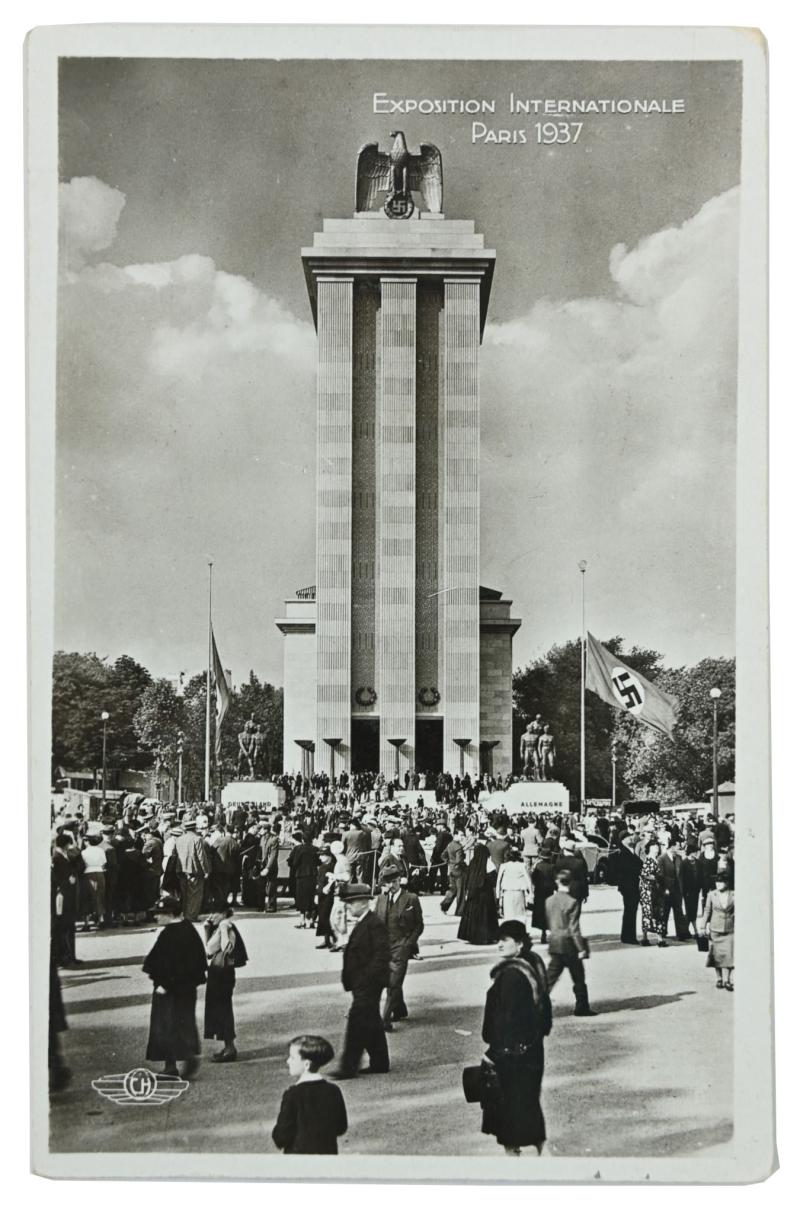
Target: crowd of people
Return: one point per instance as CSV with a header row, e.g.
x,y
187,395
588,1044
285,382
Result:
x,y
355,859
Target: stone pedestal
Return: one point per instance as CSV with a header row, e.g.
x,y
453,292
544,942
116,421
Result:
x,y
531,796
246,792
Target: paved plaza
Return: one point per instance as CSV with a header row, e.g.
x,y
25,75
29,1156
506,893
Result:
x,y
651,1075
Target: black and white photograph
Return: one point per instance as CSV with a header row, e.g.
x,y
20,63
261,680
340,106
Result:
x,y
398,647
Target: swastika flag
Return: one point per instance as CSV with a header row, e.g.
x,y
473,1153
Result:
x,y
223,692
626,689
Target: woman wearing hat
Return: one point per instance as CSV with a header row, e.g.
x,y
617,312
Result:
x,y
303,862
544,884
514,888
718,926
651,896
517,1017
479,923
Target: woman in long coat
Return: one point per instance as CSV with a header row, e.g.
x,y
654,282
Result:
x,y
325,899
176,964
516,1019
544,886
479,922
718,926
219,1024
303,861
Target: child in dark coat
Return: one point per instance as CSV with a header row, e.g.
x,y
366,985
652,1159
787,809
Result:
x,y
312,1113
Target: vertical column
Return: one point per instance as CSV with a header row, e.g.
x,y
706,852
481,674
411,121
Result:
x,y
366,311
429,305
396,518
334,484
461,525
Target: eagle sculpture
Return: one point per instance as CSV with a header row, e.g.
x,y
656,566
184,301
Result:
x,y
397,173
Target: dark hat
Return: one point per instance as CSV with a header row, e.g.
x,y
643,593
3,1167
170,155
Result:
x,y
356,891
168,904
389,874
513,929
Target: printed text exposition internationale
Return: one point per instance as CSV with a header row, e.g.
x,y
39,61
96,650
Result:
x,y
382,103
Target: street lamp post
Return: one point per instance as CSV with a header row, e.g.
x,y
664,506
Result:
x,y
180,769
104,718
613,781
715,694
582,568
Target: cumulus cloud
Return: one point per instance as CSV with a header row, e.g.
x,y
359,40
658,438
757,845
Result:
x,y
185,429
89,211
611,421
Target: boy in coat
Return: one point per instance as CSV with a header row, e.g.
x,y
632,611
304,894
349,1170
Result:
x,y
365,974
568,949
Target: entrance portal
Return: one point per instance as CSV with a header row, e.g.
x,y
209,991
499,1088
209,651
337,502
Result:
x,y
365,739
430,745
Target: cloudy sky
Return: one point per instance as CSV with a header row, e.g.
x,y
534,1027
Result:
x,y
186,352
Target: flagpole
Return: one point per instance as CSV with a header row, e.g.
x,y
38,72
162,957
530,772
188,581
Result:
x,y
582,569
208,693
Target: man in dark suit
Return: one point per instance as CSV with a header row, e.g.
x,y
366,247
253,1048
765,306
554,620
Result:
x,y
365,973
628,868
357,847
572,861
670,866
270,851
401,913
456,875
498,847
568,949
438,870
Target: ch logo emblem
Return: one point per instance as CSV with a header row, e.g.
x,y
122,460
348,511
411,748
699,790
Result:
x,y
628,690
141,1087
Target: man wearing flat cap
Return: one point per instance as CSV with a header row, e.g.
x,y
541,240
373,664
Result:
x,y
365,973
193,866
401,913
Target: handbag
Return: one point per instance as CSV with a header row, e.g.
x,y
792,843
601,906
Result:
x,y
702,943
480,1083
222,959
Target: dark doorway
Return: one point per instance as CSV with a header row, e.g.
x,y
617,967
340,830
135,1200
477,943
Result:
x,y
430,744
365,738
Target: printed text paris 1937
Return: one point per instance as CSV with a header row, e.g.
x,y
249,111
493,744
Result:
x,y
544,132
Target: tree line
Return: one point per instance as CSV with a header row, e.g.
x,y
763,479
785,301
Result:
x,y
150,721
649,765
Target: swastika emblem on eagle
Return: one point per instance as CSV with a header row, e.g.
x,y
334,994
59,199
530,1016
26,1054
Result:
x,y
628,690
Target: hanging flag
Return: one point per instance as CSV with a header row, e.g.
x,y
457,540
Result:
x,y
623,688
223,692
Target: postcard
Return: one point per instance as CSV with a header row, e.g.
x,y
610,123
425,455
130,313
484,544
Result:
x,y
398,649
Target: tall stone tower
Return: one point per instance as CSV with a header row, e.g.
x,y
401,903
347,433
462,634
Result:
x,y
397,659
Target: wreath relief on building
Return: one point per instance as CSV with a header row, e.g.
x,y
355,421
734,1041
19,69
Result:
x,y
366,697
428,697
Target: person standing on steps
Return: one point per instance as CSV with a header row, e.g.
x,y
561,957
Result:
x,y
568,949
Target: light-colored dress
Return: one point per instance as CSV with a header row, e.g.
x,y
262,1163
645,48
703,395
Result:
x,y
718,918
514,890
